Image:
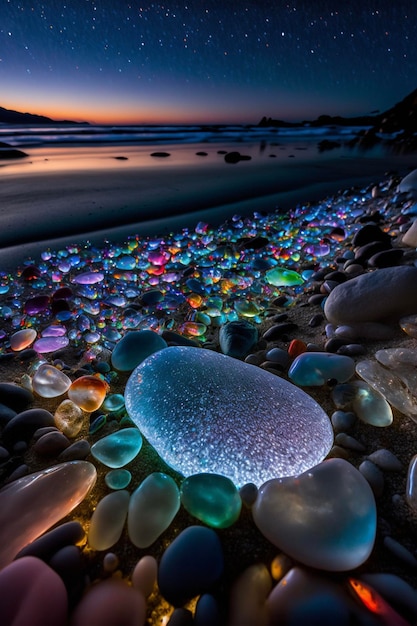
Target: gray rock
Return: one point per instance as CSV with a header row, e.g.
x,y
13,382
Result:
x,y
237,338
385,294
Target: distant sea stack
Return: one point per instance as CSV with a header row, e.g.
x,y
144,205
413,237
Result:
x,y
8,116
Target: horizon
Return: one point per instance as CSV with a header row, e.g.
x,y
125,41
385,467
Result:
x,y
176,63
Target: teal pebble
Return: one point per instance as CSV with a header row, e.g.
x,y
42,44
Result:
x,y
211,498
113,402
118,478
316,368
97,424
135,346
119,448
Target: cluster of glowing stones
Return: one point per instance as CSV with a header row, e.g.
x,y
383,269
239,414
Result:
x,y
31,505
88,392
50,382
119,448
212,413
324,518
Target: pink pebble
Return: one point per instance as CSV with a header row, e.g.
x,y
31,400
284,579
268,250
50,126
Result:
x,y
32,594
110,603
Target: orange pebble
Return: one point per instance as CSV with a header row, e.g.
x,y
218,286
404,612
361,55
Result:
x,y
296,347
88,392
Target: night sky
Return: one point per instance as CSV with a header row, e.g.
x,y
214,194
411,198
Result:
x,y
215,61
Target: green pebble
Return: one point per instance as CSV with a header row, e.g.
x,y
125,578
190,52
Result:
x,y
118,478
113,402
280,277
211,498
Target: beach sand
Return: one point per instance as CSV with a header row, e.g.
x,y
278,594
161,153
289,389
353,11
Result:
x,y
49,206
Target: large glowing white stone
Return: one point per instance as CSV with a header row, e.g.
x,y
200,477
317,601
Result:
x,y
207,412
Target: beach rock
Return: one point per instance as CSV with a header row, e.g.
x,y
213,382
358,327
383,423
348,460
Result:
x,y
409,184
12,153
69,418
190,565
334,531
373,475
153,506
118,478
51,444
50,382
277,331
234,157
316,368
410,236
369,234
108,519
31,505
388,258
45,547
24,424
211,498
135,346
237,338
303,598
144,575
366,330
88,392
248,597
386,460
400,594
207,611
15,397
212,413
77,451
110,603
388,293
32,593
160,154
365,401
118,448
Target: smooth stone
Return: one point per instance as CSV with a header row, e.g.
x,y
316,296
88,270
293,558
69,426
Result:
x,y
207,611
118,478
45,546
69,565
145,574
110,603
389,385
386,258
349,442
303,598
248,494
77,451
190,565
366,402
15,397
281,277
237,338
30,505
248,597
181,617
409,324
369,234
386,460
408,183
211,498
194,419
384,294
24,424
366,330
374,476
343,420
316,368
278,356
277,331
51,444
410,236
411,486
32,594
22,339
69,418
50,382
400,594
6,414
119,448
135,346
153,506
108,519
50,344
88,392
401,552
314,519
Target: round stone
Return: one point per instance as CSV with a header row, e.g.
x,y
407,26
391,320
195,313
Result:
x,y
316,368
88,392
108,519
314,519
212,413
211,498
134,348
119,448
69,418
190,565
49,382
22,339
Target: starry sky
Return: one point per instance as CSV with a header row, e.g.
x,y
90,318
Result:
x,y
205,61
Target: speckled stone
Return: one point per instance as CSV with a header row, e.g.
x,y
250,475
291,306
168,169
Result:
x,y
206,412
